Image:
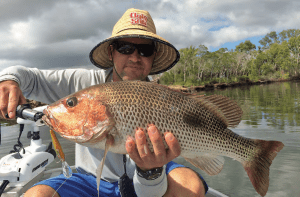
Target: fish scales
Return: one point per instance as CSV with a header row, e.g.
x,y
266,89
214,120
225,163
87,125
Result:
x,y
170,111
200,123
159,105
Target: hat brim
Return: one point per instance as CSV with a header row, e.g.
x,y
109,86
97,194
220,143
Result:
x,y
166,57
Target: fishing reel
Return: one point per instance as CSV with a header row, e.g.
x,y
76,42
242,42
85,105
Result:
x,y
23,164
25,112
26,115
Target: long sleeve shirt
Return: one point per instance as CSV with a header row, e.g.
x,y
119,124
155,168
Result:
x,y
49,86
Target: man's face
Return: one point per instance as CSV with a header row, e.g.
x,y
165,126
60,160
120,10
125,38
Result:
x,y
131,66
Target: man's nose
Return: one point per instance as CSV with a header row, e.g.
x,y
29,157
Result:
x,y
135,56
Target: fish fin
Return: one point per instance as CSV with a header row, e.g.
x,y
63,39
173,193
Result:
x,y
258,168
211,164
224,108
108,143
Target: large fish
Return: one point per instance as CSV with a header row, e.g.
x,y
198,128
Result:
x,y
103,116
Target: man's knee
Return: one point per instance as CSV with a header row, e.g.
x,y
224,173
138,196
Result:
x,y
184,182
41,191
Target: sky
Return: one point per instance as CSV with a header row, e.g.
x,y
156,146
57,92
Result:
x,y
59,34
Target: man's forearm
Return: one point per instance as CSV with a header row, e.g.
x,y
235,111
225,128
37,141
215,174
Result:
x,y
50,85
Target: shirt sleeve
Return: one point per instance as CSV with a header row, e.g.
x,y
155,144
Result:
x,y
50,85
145,188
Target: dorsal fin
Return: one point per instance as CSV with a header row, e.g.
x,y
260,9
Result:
x,y
225,109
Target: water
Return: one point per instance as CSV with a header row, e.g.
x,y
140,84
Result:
x,y
271,112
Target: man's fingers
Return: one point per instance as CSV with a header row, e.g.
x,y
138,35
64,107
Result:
x,y
132,151
13,102
10,97
142,146
174,147
3,105
139,151
158,145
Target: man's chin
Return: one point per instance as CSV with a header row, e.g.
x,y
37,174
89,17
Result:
x,y
127,78
134,77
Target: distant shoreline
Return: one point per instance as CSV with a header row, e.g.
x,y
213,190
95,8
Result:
x,y
213,86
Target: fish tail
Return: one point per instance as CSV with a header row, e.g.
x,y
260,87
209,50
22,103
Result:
x,y
258,166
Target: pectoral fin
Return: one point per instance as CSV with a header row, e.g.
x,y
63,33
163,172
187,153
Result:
x,y
211,164
108,143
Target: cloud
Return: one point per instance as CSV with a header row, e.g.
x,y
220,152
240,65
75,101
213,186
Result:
x,y
60,34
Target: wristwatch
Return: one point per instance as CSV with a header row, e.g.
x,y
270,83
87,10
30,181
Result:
x,y
151,174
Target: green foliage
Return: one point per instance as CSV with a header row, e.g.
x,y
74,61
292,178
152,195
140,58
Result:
x,y
246,46
279,58
269,39
243,78
285,35
166,78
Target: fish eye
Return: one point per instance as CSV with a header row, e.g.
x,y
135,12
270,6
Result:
x,y
72,102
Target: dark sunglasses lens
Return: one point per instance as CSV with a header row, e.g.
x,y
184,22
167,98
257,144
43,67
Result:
x,y
146,50
126,49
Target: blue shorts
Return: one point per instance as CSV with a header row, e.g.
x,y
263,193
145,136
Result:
x,y
85,185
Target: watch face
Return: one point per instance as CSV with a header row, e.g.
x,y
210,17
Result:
x,y
150,174
154,176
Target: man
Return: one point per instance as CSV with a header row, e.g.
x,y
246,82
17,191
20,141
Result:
x,y
132,53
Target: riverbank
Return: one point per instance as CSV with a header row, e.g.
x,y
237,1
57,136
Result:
x,y
212,86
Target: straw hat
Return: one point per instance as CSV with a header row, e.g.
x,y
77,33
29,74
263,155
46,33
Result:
x,y
137,24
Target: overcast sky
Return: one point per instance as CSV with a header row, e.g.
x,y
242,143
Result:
x,y
51,34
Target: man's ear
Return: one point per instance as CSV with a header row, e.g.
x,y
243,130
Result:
x,y
109,51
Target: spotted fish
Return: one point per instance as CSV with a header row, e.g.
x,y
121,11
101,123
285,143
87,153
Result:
x,y
103,116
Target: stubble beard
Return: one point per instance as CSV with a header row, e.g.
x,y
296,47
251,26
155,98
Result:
x,y
140,77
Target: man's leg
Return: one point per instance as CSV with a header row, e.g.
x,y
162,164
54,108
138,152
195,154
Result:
x,y
41,190
77,185
184,182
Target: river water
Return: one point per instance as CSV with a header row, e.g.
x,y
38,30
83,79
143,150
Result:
x,y
271,112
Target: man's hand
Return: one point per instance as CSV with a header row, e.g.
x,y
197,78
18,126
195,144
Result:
x,y
10,97
139,151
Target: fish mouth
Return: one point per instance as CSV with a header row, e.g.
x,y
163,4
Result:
x,y
46,121
49,119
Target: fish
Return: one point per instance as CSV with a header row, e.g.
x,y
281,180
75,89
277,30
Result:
x,y
103,116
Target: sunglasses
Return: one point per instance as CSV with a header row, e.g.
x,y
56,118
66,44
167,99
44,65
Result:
x,y
127,48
